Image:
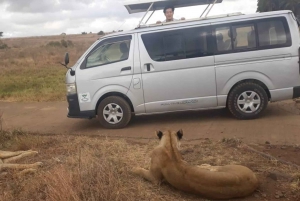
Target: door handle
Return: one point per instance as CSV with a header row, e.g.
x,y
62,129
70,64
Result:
x,y
149,67
126,68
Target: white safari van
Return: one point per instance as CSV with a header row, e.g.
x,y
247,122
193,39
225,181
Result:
x,y
235,61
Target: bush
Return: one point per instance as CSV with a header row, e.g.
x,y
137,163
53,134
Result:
x,y
62,43
70,43
3,46
54,44
101,33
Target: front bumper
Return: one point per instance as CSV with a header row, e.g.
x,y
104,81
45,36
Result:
x,y
296,92
74,109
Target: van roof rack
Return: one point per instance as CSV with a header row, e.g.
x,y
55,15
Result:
x,y
153,5
194,19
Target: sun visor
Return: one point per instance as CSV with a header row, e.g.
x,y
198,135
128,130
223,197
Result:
x,y
143,5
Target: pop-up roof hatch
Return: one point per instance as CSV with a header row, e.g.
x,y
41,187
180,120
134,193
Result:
x,y
153,5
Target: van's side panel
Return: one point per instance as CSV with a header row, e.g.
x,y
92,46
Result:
x,y
99,80
176,85
277,68
135,93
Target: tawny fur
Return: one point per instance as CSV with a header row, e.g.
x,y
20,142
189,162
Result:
x,y
7,160
214,182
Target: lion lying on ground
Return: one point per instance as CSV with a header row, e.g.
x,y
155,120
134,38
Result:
x,y
6,159
214,182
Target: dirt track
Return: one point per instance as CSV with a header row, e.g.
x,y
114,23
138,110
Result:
x,y
279,125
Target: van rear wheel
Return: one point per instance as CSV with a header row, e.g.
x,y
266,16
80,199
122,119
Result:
x,y
114,112
247,100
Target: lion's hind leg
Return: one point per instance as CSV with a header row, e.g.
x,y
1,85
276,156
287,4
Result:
x,y
20,166
208,167
19,156
149,175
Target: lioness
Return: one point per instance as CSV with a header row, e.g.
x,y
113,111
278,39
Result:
x,y
6,159
214,182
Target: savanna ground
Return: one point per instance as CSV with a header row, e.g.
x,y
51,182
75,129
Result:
x,y
92,168
30,69
98,168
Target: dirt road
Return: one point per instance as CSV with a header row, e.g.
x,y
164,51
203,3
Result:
x,y
279,125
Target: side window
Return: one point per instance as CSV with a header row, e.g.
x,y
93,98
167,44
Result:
x,y
272,33
174,47
109,53
196,42
252,35
223,37
243,36
238,37
178,44
154,45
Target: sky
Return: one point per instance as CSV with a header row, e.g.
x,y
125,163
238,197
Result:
x,y
22,18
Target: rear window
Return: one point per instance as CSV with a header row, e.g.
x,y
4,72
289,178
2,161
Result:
x,y
271,33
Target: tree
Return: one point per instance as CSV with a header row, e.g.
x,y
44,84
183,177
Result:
x,y
1,34
100,33
293,5
273,5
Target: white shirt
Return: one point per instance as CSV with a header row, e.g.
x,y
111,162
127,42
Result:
x,y
172,20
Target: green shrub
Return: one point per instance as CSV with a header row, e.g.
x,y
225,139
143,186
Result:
x,y
101,33
70,43
62,43
54,44
3,45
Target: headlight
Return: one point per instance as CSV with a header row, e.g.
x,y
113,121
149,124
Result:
x,y
71,89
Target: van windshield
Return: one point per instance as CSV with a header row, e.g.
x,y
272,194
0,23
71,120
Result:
x,y
87,51
109,53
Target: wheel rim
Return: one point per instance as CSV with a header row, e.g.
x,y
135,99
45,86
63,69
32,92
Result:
x,y
249,102
113,113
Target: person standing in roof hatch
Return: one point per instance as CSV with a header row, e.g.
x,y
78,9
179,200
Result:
x,y
169,13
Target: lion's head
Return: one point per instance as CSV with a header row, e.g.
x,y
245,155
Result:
x,y
170,136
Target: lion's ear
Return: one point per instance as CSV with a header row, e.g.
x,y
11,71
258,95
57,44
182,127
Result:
x,y
180,134
159,134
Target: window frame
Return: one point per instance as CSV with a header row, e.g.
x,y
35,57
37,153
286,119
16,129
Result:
x,y
106,42
181,32
258,47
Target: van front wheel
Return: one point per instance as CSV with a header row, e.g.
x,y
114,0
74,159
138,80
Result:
x,y
247,100
114,112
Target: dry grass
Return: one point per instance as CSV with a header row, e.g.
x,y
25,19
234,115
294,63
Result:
x,y
1,120
88,169
29,69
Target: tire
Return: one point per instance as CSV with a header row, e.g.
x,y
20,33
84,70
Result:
x,y
114,112
247,101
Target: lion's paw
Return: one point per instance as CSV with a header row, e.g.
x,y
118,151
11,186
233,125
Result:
x,y
136,170
38,164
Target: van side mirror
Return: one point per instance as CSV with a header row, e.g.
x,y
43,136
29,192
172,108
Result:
x,y
67,60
